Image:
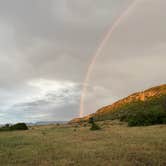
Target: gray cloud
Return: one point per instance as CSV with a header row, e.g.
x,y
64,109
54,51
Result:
x,y
134,57
53,41
43,36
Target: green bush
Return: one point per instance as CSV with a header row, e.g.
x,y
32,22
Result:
x,y
91,120
18,126
5,128
94,126
164,102
143,113
147,117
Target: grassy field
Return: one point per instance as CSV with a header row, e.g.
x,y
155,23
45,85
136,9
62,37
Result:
x,y
114,145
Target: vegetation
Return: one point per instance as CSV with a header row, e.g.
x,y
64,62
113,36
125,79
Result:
x,y
145,113
18,126
62,146
139,113
138,109
94,126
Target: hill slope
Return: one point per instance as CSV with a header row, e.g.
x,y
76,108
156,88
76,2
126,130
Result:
x,y
150,99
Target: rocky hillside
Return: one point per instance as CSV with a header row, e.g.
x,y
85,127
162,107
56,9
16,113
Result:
x,y
108,112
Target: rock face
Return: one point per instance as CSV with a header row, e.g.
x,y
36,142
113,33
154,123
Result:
x,y
139,96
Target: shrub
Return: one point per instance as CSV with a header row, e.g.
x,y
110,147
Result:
x,y
94,126
164,102
84,124
149,117
58,124
19,126
91,120
143,113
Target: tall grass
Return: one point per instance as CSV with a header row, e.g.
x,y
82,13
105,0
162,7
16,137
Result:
x,y
63,146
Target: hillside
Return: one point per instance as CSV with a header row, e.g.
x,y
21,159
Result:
x,y
150,99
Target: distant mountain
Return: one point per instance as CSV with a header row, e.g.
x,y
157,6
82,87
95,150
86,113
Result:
x,y
145,100
46,123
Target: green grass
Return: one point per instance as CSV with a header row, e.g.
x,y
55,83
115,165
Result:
x,y
114,145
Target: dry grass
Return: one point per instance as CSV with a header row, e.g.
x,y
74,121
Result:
x,y
114,145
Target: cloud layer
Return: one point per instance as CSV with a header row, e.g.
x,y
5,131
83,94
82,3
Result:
x,y
48,42
134,57
46,46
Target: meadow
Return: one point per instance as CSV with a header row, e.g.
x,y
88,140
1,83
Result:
x,y
68,145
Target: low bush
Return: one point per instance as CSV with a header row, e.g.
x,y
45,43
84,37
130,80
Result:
x,y
145,118
94,126
146,113
18,126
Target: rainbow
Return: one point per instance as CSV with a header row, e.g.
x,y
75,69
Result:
x,y
98,53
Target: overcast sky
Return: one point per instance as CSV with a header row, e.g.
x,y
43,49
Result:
x,y
46,46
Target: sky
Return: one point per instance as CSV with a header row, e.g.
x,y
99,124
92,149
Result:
x,y
46,48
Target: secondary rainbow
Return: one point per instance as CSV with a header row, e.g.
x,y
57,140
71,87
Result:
x,y
98,52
